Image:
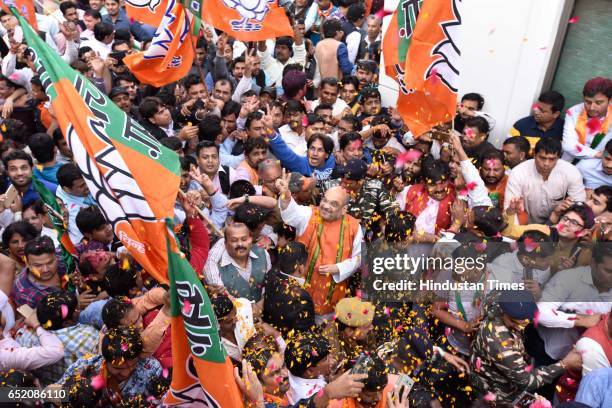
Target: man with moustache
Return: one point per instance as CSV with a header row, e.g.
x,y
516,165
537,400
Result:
x,y
597,172
493,174
333,239
242,266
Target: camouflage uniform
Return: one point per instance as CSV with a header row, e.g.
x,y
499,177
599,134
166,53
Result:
x,y
372,203
500,363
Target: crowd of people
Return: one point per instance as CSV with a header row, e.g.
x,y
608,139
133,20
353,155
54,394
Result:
x,y
292,175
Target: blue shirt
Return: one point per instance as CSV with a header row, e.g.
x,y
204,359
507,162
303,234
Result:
x,y
345,64
32,195
92,315
142,32
593,173
300,164
596,389
47,173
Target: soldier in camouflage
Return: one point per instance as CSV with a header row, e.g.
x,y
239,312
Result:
x,y
499,362
369,201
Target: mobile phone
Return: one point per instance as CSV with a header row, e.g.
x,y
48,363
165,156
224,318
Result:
x,y
524,400
11,195
528,273
25,310
198,105
403,384
118,56
362,364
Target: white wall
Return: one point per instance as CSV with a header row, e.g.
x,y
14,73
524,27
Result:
x,y
508,55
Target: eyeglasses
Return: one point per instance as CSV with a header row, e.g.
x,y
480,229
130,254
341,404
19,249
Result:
x,y
571,222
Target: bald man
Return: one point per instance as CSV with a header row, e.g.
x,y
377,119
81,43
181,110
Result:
x,y
333,239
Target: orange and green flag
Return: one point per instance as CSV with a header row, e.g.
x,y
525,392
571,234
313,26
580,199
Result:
x,y
399,32
24,7
54,213
202,372
170,55
121,162
431,70
244,20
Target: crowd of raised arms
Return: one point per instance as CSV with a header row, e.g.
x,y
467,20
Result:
x,y
292,175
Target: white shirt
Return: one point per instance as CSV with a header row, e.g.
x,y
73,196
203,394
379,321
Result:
x,y
353,40
298,217
295,141
337,108
234,174
593,174
507,268
570,136
426,221
593,355
98,46
218,257
542,196
243,331
568,292
273,68
302,388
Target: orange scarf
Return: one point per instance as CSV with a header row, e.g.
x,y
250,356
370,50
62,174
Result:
x,y
583,128
272,399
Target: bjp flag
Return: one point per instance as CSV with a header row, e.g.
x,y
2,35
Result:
x,y
202,373
121,162
432,66
24,7
170,56
149,12
244,20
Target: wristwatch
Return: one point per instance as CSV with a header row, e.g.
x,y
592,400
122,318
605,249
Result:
x,y
246,198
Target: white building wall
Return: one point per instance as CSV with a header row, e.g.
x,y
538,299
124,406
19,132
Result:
x,y
510,49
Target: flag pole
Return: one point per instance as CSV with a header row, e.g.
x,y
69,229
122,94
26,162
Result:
x,y
193,46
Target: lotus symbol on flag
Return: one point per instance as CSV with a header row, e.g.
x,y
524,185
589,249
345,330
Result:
x,y
252,12
151,4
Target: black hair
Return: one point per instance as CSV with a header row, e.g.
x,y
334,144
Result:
x,y
172,143
191,80
355,12
323,106
472,96
291,257
16,155
284,230
520,142
479,123
352,119
209,128
222,305
601,250
292,67
253,143
39,245
377,374
119,282
369,92
492,154
23,228
330,27
436,170
307,349
400,227
118,42
252,117
37,206
584,212
489,220
185,164
149,106
83,50
607,192
122,344
348,138
241,187
102,30
93,13
67,174
553,98
55,309
328,143
205,144
230,107
90,219
598,85
293,106
331,81
351,79
535,243
608,147
223,81
549,145
250,215
16,131
114,311
367,65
